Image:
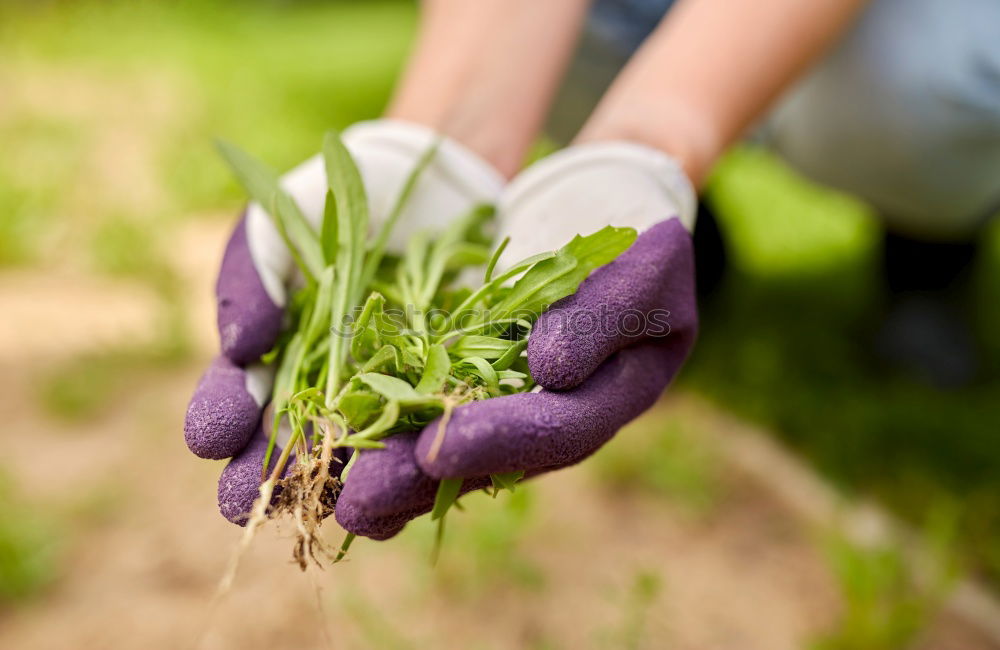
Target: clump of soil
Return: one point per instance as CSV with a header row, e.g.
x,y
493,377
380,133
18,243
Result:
x,y
308,495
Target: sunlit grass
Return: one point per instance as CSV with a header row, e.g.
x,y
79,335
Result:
x,y
273,77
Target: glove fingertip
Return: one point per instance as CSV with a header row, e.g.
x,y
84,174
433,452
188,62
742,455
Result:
x,y
239,484
561,363
384,490
386,481
222,415
644,294
249,321
354,519
482,438
577,334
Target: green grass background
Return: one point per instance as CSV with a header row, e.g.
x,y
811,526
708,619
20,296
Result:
x,y
784,345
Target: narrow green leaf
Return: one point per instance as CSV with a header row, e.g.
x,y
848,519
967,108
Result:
x,y
345,545
382,238
363,443
258,179
494,259
543,284
328,231
559,276
497,326
463,228
383,357
282,390
318,323
391,388
487,347
411,358
443,258
359,408
351,205
385,421
348,190
300,232
506,480
601,247
447,492
293,250
262,185
482,369
510,356
373,306
311,394
462,311
411,272
396,389
436,370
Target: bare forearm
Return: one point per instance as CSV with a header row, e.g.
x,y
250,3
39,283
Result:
x,y
485,72
710,69
445,54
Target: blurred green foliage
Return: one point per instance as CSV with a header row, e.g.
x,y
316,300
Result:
x,y
370,622
272,76
635,604
481,549
83,386
41,157
788,343
28,545
86,386
885,606
663,456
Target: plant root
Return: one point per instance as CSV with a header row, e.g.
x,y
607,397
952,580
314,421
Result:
x,y
309,494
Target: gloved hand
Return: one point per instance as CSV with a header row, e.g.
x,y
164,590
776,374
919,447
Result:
x,y
603,355
224,417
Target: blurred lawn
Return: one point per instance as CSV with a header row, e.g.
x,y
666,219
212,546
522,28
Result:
x,y
107,140
787,345
271,76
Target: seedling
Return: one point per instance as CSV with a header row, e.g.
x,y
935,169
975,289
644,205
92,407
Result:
x,y
380,344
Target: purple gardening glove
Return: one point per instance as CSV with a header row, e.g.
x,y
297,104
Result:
x,y
603,355
224,417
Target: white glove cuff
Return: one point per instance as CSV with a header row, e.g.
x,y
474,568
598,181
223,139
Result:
x,y
586,187
386,152
455,167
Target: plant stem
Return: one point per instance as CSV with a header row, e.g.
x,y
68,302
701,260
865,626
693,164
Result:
x,y
344,546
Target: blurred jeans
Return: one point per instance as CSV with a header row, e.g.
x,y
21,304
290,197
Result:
x,y
904,112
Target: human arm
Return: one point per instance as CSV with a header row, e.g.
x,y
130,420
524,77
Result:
x,y
664,109
223,418
709,70
485,72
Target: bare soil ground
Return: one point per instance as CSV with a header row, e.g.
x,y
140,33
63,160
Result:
x,y
561,567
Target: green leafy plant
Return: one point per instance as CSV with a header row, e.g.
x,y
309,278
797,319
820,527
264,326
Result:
x,y
379,343
887,603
